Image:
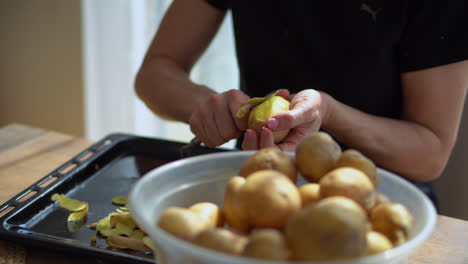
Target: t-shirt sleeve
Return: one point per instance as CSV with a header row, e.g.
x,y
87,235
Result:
x,y
220,4
436,34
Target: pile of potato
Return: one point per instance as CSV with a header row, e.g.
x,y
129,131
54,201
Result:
x,y
337,214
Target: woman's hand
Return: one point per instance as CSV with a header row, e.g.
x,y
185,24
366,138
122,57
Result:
x,y
214,122
305,115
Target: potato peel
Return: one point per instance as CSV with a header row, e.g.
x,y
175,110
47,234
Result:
x,y
120,200
78,215
121,242
120,229
124,218
137,234
103,224
79,211
92,226
124,229
250,103
110,232
149,243
71,205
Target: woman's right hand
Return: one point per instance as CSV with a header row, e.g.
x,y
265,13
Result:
x,y
214,122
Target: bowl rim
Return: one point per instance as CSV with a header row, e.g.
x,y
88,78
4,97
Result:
x,y
204,253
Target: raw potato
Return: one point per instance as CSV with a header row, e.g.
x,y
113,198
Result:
x,y
181,222
316,154
266,244
260,114
348,182
233,206
270,158
377,243
245,107
393,220
334,228
339,215
380,198
209,213
222,240
355,159
310,193
269,198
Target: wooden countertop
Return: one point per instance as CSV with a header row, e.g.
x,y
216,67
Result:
x,y
28,154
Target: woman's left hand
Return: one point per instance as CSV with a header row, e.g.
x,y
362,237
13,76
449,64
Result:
x,y
306,113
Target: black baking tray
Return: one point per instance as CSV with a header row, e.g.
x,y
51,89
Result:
x,y
106,169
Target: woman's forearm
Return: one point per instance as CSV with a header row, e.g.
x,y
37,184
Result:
x,y
167,90
404,147
163,81
418,145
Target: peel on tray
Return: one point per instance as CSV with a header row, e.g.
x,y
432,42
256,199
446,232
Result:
x,y
78,208
121,231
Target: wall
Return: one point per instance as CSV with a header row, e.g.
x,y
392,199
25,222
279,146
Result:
x,y
40,68
452,186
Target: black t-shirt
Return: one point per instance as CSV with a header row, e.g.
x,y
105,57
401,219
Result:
x,y
354,50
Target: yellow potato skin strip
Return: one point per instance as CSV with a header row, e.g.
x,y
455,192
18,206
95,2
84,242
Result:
x,y
120,200
251,102
137,234
110,232
124,218
68,203
124,229
149,243
76,216
121,242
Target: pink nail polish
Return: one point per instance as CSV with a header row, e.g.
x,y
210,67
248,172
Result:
x,y
272,123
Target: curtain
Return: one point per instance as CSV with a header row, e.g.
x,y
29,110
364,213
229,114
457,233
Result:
x,y
116,34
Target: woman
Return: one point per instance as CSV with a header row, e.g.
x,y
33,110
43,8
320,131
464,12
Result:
x,y
387,78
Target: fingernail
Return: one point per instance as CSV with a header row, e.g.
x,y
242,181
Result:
x,y
272,123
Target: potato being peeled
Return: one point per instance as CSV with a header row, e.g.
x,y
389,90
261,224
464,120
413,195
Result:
x,y
260,114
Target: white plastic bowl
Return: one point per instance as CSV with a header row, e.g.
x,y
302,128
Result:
x,y
203,178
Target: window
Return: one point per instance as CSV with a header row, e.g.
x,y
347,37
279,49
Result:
x,y
116,35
